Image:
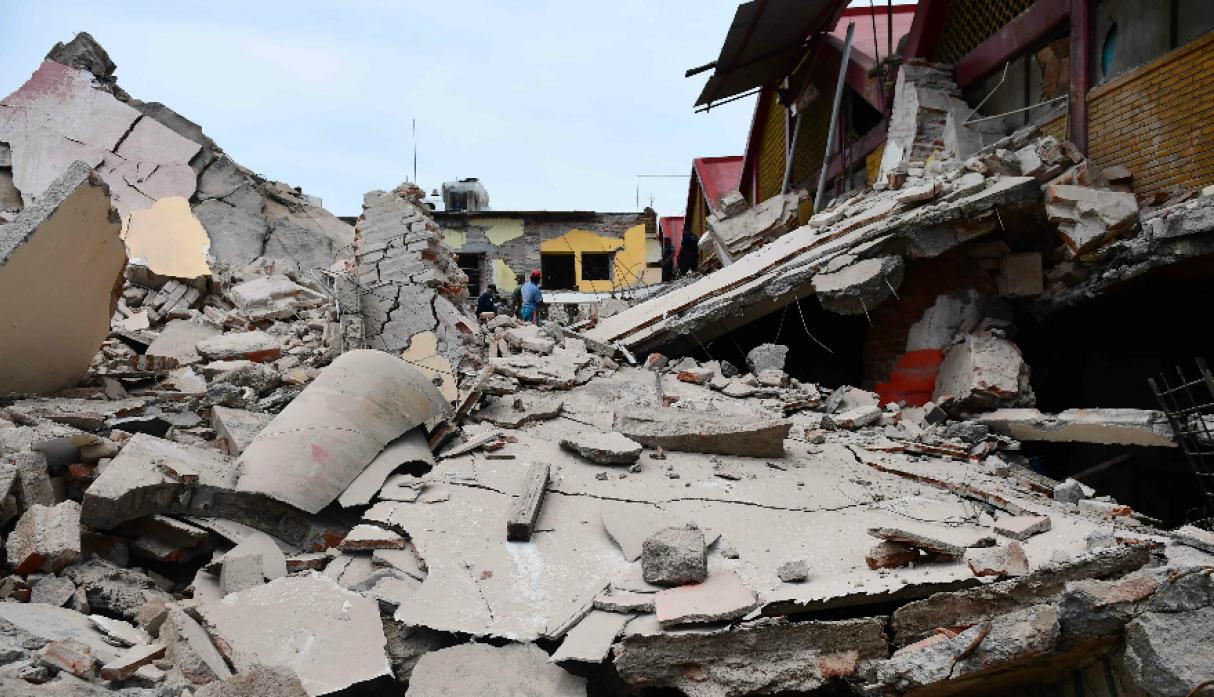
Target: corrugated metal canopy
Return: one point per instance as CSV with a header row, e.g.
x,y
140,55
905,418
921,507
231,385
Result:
x,y
764,42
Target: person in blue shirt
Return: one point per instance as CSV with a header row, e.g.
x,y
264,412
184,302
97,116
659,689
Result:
x,y
532,299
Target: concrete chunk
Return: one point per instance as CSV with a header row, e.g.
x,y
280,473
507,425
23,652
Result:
x,y
1171,654
674,556
235,429
982,372
611,448
519,670
722,596
766,357
256,346
706,432
1003,561
337,639
1087,217
131,660
69,655
189,647
45,539
1022,527
311,452
918,541
261,681
859,287
55,322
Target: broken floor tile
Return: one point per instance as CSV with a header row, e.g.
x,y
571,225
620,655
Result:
x,y
624,601
369,537
591,638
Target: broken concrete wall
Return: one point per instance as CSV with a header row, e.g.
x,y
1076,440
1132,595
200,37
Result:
x,y
146,152
729,237
61,266
412,293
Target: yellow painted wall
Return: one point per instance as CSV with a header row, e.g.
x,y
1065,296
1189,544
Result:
x,y
455,239
503,276
501,230
628,264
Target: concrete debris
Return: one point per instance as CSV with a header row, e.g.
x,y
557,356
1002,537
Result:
x,y
45,539
1104,426
610,448
858,287
481,669
312,470
681,430
226,491
982,372
338,640
1088,217
1003,561
674,556
260,680
57,321
766,357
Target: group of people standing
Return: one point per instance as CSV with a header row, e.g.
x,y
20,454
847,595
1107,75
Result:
x,y
685,261
524,303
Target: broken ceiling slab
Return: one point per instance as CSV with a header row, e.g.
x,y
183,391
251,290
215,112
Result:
x,y
857,287
519,670
560,372
1101,426
319,444
331,637
168,240
408,449
61,264
706,432
795,656
518,410
152,475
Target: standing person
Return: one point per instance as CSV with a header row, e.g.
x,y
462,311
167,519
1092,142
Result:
x,y
516,297
532,299
667,260
487,301
689,253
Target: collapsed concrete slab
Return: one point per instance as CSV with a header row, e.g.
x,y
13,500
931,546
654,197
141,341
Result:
x,y
1088,217
409,449
479,669
855,287
330,637
319,444
729,237
706,432
795,657
721,597
61,265
152,476
1104,426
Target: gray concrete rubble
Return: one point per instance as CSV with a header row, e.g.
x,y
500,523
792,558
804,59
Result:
x,y
480,669
705,432
274,453
309,454
58,320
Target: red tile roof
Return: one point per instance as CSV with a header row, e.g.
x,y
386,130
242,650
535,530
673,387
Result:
x,y
717,176
671,228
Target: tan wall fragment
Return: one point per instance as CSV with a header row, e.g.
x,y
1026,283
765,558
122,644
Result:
x,y
168,239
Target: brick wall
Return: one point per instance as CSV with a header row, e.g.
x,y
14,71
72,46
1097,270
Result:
x,y
1156,120
1056,127
923,281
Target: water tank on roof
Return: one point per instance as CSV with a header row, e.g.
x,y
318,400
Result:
x,y
467,195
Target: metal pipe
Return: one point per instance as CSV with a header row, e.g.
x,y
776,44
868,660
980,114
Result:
x,y
792,148
734,98
834,116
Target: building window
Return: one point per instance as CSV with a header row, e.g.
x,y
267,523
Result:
x,y
557,270
596,266
470,264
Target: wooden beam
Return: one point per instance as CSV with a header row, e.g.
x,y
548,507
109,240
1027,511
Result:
x,y
1039,21
1081,71
525,508
926,28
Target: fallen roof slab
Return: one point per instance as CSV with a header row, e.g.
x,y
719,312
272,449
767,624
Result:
x,y
706,432
319,444
331,637
61,265
1102,426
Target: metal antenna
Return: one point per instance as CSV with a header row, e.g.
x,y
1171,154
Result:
x,y
415,151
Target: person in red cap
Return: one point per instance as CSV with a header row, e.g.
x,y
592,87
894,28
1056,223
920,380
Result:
x,y
532,299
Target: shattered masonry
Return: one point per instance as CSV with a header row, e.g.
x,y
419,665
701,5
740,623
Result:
x,y
252,449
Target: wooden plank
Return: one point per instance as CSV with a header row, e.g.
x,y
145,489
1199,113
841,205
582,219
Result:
x,y
526,507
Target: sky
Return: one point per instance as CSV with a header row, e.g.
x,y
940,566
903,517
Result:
x,y
553,104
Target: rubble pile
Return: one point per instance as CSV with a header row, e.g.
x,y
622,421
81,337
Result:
x,y
292,462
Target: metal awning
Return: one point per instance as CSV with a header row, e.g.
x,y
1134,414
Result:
x,y
764,43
